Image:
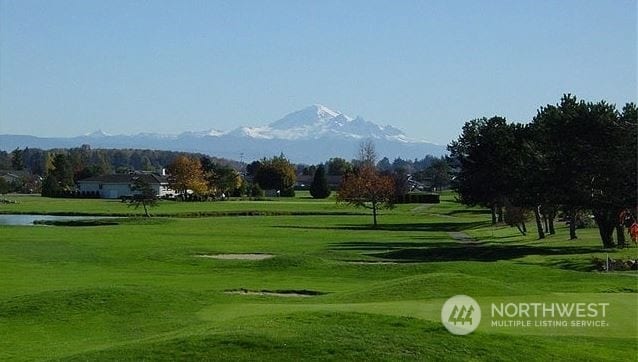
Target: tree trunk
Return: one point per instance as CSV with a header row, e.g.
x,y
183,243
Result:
x,y
552,216
374,213
620,235
606,225
524,226
572,224
500,214
539,225
145,209
493,214
545,223
606,235
520,228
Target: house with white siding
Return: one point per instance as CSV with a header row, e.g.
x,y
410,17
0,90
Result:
x,y
121,185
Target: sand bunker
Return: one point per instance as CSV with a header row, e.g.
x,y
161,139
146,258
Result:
x,y
236,256
461,237
276,293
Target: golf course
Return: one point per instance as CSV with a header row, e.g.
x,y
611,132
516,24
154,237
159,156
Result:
x,y
296,278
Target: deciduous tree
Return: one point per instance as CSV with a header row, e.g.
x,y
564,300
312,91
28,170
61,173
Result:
x,y
186,174
338,166
276,173
143,195
367,153
367,188
222,179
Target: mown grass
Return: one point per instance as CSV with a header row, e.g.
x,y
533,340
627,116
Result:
x,y
302,205
135,290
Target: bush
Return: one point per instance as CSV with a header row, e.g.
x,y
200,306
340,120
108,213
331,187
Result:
x,y
418,198
289,192
256,191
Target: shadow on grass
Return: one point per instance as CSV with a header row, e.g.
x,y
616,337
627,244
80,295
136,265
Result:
x,y
389,245
469,212
424,227
581,265
479,252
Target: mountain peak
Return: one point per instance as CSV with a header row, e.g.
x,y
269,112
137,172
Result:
x,y
323,110
310,115
312,134
97,134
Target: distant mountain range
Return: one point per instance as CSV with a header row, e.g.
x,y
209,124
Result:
x,y
311,135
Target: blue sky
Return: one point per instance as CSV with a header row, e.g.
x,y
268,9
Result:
x,y
71,67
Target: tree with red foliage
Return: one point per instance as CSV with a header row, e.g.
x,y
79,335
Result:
x,y
367,188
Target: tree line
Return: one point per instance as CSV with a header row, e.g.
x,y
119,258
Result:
x,y
436,171
78,163
575,158
87,161
83,162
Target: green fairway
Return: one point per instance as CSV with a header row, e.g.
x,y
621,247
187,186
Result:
x,y
140,289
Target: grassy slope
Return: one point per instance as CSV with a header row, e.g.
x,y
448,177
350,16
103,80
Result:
x,y
134,290
44,205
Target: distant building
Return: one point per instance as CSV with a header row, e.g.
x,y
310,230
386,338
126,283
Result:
x,y
121,185
304,181
12,176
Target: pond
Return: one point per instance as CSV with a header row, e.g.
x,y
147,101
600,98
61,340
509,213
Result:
x,y
28,219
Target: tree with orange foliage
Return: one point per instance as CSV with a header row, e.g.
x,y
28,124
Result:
x,y
186,174
367,188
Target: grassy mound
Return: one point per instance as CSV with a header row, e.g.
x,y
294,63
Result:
x,y
132,290
339,336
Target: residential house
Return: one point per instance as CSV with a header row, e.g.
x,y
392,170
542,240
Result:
x,y
12,176
121,185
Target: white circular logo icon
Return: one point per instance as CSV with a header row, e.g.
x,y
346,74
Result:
x,y
461,314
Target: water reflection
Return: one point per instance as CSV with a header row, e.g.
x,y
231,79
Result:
x,y
28,219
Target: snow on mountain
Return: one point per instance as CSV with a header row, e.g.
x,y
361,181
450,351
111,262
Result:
x,y
251,132
209,133
313,122
313,134
97,134
318,121
309,116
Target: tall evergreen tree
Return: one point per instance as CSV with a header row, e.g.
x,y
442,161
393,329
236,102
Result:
x,y
319,188
17,159
50,186
559,129
483,154
63,172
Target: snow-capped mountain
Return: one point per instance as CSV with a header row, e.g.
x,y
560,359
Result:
x,y
318,121
311,135
309,116
211,132
97,134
